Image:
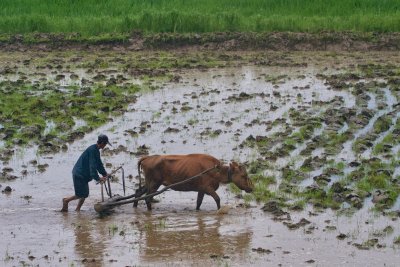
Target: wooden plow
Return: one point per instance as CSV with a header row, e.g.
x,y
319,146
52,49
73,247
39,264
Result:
x,y
117,200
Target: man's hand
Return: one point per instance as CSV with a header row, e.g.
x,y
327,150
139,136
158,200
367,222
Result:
x,y
103,179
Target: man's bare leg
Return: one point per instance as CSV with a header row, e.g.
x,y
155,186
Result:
x,y
80,203
65,201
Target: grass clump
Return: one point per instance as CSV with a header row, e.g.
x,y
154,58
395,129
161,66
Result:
x,y
261,192
38,105
375,178
382,124
318,197
293,176
370,182
258,166
389,140
332,142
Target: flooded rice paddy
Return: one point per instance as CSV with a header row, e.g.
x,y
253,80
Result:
x,y
309,126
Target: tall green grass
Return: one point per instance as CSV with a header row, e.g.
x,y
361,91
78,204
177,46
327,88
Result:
x,y
91,17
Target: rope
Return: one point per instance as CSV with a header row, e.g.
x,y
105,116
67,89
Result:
x,y
123,200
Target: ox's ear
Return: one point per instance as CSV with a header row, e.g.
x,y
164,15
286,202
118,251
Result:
x,y
234,165
238,166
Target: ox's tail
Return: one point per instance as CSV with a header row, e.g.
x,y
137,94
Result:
x,y
139,164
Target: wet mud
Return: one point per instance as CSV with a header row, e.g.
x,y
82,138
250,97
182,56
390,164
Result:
x,y
223,41
305,122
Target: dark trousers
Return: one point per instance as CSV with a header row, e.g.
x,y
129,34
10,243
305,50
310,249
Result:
x,y
81,186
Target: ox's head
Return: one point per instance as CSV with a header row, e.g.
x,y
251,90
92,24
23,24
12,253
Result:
x,y
240,178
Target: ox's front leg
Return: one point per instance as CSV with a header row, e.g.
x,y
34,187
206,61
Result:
x,y
200,197
216,198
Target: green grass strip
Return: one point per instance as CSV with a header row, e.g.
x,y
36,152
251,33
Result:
x,y
93,17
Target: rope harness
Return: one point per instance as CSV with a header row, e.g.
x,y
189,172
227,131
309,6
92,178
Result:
x,y
107,185
117,200
123,200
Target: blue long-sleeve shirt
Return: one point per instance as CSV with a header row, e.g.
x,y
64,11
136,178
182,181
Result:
x,y
89,164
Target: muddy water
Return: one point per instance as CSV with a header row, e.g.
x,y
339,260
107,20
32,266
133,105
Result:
x,y
203,113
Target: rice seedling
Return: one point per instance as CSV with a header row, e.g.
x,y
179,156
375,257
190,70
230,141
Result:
x,y
112,229
7,256
112,20
193,121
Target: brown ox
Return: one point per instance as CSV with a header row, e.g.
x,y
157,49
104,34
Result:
x,y
169,169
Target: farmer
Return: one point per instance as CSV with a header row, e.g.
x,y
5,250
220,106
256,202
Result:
x,y
85,169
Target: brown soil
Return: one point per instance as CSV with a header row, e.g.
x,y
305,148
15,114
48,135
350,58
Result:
x,y
229,41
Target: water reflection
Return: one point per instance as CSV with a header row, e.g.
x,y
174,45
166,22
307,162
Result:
x,y
89,244
196,237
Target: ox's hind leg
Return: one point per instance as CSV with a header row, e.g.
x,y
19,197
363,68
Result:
x,y
138,193
152,189
200,197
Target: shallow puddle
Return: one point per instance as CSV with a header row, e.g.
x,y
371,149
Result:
x,y
211,112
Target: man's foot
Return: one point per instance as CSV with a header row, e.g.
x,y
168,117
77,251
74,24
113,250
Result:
x,y
65,205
